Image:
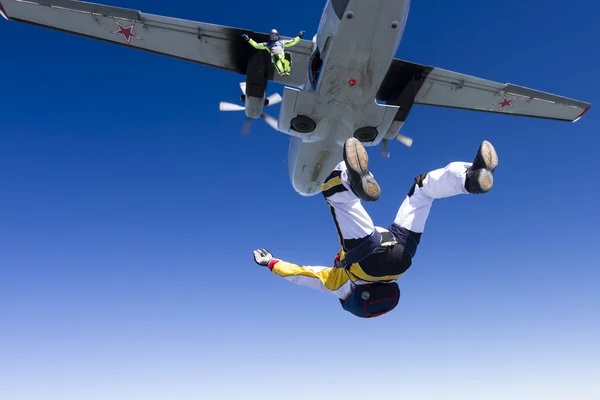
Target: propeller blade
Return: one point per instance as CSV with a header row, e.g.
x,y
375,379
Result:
x,y
404,139
384,148
273,123
246,128
274,99
224,106
243,87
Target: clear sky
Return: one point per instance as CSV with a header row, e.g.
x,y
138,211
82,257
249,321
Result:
x,y
125,274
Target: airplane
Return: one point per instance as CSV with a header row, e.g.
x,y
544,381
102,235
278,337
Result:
x,y
344,82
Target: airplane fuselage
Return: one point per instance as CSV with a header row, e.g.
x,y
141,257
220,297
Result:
x,y
353,49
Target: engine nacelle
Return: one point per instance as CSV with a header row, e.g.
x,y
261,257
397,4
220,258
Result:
x,y
257,77
253,106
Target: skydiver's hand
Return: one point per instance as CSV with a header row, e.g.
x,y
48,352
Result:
x,y
301,34
246,37
262,257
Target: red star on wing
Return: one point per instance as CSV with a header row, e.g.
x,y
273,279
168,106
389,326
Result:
x,y
126,32
505,103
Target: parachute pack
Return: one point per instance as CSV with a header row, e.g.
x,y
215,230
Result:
x,y
373,299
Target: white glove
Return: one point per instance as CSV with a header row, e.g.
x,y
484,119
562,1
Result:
x,y
262,257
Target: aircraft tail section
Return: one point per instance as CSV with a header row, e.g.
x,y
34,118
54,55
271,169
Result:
x,y
309,164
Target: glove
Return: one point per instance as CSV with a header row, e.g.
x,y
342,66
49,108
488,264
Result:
x,y
245,37
301,34
262,257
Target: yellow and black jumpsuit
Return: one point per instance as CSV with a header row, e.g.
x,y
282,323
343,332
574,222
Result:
x,y
386,264
354,226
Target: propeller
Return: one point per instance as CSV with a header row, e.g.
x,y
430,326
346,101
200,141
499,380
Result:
x,y
405,140
271,100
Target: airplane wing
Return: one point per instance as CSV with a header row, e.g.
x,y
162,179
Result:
x,y
409,83
208,44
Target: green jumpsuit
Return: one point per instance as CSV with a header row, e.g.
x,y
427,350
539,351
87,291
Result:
x,y
276,48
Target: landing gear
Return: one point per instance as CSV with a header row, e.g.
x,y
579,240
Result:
x,y
303,124
366,134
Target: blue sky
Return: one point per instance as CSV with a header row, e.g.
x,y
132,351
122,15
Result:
x,y
125,274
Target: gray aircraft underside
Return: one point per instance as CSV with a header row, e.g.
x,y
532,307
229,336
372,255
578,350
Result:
x,y
344,82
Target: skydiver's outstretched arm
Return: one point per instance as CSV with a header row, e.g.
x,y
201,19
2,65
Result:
x,y
294,41
325,279
252,42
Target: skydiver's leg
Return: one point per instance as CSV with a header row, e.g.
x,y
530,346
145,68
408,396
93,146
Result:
x,y
343,190
279,64
351,220
286,65
280,67
454,179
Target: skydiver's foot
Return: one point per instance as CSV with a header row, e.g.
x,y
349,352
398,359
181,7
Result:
x,y
362,182
480,176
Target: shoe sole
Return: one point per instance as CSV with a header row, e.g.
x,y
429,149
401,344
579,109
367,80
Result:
x,y
485,179
357,162
489,155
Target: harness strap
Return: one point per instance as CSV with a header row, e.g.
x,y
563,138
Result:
x,y
387,239
403,237
362,251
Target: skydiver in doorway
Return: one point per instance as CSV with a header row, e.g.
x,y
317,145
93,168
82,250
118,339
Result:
x,y
371,259
276,47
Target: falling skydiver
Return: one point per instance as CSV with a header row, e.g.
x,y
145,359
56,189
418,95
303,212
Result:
x,y
367,267
276,47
